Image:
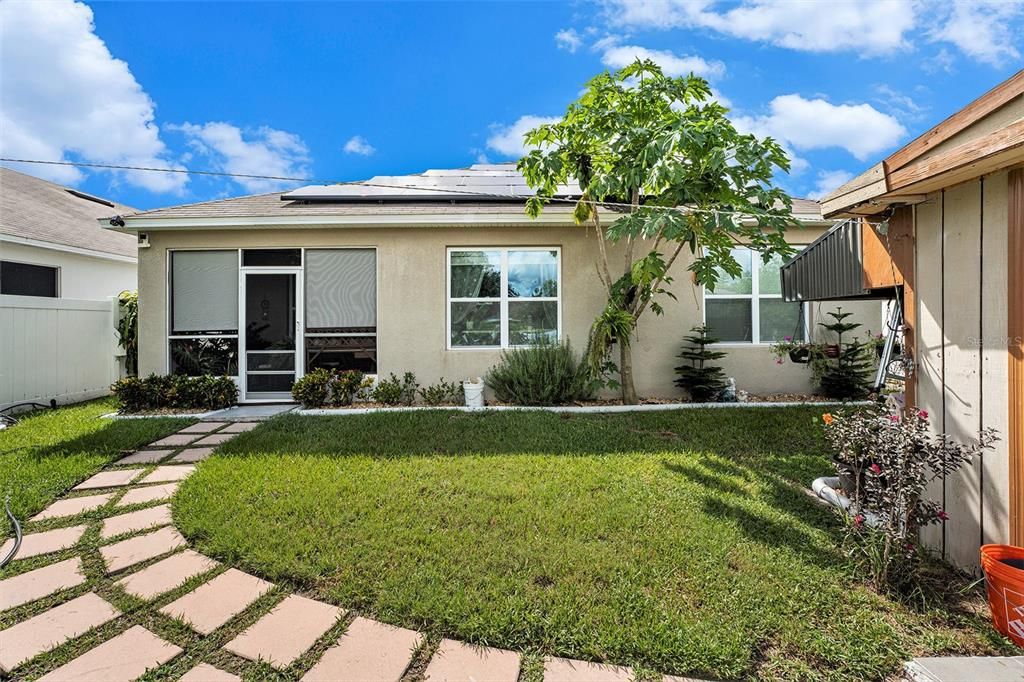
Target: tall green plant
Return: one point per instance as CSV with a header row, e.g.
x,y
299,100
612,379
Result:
x,y
702,380
545,374
849,376
652,144
128,329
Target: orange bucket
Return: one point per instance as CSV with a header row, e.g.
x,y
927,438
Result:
x,y
1004,579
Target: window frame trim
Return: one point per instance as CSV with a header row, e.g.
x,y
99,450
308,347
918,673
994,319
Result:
x,y
754,297
502,299
57,276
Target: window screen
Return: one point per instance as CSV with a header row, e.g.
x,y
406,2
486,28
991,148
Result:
x,y
24,279
341,289
204,292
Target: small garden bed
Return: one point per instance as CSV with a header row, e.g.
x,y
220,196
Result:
x,y
678,541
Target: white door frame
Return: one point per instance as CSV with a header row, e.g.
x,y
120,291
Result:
x,y
243,359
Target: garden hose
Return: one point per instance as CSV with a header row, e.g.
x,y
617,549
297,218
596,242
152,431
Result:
x,y
17,534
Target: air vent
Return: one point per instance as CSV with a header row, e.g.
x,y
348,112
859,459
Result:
x,y
88,197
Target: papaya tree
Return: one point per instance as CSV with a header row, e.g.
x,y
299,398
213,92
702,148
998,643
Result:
x,y
661,170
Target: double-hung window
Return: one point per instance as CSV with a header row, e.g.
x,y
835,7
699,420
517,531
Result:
x,y
749,308
501,298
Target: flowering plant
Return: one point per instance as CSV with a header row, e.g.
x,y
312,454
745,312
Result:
x,y
885,461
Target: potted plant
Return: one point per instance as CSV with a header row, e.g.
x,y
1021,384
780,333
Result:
x,y
799,352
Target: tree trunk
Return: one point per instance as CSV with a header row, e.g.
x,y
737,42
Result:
x,y
626,374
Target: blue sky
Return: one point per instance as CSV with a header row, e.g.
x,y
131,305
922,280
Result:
x,y
346,91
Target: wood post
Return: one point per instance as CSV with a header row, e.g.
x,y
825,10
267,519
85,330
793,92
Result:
x,y
1015,350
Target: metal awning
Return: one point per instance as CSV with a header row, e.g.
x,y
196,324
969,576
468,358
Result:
x,y
830,268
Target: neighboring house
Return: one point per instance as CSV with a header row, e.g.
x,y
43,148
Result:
x,y
946,228
418,273
59,271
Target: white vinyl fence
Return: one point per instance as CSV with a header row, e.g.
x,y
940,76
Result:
x,y
57,348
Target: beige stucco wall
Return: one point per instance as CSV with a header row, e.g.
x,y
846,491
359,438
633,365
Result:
x,y
961,238
411,327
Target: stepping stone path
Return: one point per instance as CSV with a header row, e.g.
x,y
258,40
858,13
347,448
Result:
x,y
46,542
145,457
214,603
149,494
287,632
166,474
167,574
367,650
150,517
73,506
29,638
42,582
123,658
121,555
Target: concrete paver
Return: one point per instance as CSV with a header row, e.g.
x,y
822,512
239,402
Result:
x,y
367,651
215,439
121,659
45,542
144,457
568,670
41,582
109,479
192,455
286,632
29,638
166,574
240,427
72,506
136,520
125,553
202,427
458,662
175,440
168,473
204,672
148,494
212,604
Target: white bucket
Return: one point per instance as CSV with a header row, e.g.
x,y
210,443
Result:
x,y
474,391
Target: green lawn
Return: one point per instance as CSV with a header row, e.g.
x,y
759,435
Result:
x,y
50,451
675,541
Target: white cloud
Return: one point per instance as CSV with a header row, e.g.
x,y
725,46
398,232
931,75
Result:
x,y
804,124
263,151
507,140
568,39
357,144
983,29
867,26
618,56
829,180
899,103
63,96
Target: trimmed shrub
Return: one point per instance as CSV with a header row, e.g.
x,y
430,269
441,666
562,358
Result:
x,y
702,380
544,374
394,391
174,391
314,389
442,392
347,385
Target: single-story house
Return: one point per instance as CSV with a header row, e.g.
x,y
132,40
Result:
x,y
943,223
59,275
434,273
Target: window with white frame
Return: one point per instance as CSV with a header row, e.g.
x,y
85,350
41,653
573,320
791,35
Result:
x,y
203,311
749,308
502,297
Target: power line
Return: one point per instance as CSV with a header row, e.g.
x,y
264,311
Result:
x,y
363,183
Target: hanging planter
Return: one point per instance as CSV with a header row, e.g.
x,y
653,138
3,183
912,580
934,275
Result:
x,y
800,356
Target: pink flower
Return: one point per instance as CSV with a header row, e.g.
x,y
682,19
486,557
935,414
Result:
x,y
943,515
923,414
894,417
875,469
778,361
858,520
787,338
